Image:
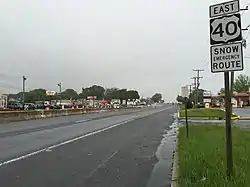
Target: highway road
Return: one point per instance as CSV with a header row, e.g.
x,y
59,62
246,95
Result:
x,y
106,150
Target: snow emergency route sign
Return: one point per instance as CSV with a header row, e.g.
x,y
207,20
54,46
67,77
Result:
x,y
227,57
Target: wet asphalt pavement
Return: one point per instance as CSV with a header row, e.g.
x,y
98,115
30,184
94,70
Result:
x,y
110,151
243,112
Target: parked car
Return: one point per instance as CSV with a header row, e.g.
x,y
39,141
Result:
x,y
56,106
30,106
39,106
15,106
201,105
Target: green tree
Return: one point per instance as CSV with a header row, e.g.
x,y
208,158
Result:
x,y
156,97
180,99
69,94
17,96
111,93
133,94
94,90
33,95
122,94
242,83
192,96
222,90
37,95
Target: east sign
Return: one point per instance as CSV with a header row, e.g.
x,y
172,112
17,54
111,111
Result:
x,y
221,9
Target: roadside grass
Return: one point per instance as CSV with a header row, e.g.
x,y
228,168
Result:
x,y
205,113
202,157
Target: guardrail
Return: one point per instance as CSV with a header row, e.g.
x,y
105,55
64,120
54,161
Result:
x,y
11,116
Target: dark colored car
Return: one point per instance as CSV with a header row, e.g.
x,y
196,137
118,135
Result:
x,y
201,105
56,107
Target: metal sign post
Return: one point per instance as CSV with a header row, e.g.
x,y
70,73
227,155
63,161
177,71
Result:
x,y
186,118
228,108
225,29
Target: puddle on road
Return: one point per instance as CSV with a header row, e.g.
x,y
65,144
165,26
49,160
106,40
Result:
x,y
161,175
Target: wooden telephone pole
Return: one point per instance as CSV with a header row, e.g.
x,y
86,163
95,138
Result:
x,y
194,93
197,84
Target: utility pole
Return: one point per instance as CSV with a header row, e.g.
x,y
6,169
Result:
x,y
60,91
190,89
184,94
198,77
194,93
24,79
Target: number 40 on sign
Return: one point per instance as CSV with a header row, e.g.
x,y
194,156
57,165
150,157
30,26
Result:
x,y
225,29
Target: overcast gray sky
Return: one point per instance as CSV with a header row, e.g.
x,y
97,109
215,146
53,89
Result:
x,y
148,45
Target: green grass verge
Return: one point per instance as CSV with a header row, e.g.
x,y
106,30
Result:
x,y
202,157
204,113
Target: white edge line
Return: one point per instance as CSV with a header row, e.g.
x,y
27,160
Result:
x,y
74,139
62,143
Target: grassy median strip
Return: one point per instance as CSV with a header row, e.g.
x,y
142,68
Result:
x,y
202,157
204,113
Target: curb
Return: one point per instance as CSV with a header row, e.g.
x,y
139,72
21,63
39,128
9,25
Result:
x,y
244,118
175,166
236,117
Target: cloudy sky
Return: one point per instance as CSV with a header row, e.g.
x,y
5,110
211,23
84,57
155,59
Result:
x,y
148,45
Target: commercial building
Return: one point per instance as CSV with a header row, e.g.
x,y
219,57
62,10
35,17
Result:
x,y
239,99
3,100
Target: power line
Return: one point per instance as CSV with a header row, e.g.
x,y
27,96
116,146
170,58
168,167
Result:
x,y
198,77
9,86
190,88
244,10
247,34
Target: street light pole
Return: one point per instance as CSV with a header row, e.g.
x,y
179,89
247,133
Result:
x,y
24,79
60,91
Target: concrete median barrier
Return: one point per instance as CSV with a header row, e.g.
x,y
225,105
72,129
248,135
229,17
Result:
x,y
11,116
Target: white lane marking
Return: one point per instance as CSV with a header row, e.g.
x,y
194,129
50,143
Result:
x,y
83,120
63,143
75,139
